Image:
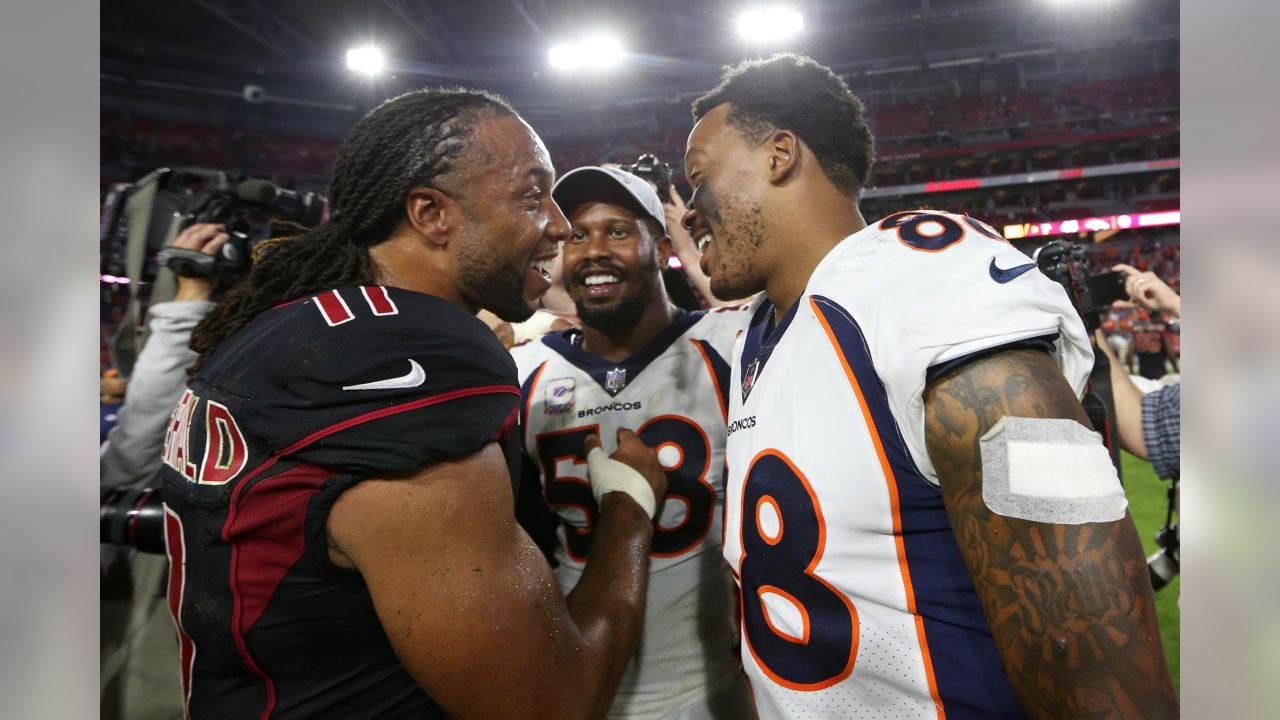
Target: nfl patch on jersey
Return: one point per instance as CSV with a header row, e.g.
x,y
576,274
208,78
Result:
x,y
615,380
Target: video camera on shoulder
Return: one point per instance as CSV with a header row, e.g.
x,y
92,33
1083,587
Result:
x,y
652,170
164,202
1064,262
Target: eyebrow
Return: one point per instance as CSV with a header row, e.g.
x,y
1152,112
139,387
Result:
x,y
538,172
614,220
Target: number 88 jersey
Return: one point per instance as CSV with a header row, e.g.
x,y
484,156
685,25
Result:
x,y
672,394
856,602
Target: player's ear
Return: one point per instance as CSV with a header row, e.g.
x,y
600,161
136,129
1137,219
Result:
x,y
433,214
784,156
663,246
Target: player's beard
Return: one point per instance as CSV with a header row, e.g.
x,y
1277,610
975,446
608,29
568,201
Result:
x,y
493,282
736,246
627,310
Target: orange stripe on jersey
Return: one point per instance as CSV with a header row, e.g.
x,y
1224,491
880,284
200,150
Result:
x,y
893,503
724,406
528,400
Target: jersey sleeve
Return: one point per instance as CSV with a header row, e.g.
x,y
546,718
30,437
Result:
x,y
937,309
378,393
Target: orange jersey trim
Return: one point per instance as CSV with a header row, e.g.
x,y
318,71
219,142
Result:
x,y
893,504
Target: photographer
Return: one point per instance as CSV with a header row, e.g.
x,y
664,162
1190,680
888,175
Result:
x,y
131,454
1148,425
138,651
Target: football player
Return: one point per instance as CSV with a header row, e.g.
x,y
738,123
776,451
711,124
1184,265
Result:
x,y
640,362
920,519
339,511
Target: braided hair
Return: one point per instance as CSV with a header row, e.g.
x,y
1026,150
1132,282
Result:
x,y
413,140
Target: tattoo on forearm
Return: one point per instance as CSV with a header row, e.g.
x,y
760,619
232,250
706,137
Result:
x,y
1070,606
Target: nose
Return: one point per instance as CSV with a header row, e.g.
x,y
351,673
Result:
x,y
688,219
558,227
596,246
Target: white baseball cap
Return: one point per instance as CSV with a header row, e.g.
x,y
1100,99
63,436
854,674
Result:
x,y
591,182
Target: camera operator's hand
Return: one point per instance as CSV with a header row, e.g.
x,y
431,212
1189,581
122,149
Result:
x,y
208,238
1148,291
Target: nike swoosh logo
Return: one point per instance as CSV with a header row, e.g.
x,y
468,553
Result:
x,y
415,378
1004,276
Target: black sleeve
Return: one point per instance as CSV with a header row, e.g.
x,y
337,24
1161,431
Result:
x,y
377,394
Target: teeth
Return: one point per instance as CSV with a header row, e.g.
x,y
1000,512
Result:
x,y
702,240
600,279
545,265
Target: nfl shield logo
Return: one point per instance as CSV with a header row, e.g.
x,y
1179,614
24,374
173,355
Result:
x,y
749,379
615,380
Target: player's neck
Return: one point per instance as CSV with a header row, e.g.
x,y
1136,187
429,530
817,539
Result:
x,y
618,345
809,240
409,266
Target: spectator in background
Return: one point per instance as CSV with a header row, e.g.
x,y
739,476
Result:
x,y
1149,425
1151,334
111,388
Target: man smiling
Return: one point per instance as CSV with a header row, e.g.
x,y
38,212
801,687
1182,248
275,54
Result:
x,y
339,513
921,520
639,362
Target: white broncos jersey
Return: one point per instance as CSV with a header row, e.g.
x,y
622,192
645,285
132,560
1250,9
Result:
x,y
855,600
673,395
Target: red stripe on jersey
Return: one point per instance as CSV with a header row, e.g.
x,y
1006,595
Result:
x,y
175,545
234,503
379,301
267,538
334,308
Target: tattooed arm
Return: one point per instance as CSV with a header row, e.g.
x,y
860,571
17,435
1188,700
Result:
x,y
1070,606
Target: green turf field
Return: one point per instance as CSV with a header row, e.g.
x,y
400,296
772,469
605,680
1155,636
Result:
x,y
1148,502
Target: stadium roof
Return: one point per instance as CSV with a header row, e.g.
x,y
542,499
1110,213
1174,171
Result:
x,y
159,50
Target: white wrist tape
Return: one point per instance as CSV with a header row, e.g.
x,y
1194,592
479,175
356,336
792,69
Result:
x,y
1050,471
608,475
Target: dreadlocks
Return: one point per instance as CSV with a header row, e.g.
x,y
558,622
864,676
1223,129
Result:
x,y
413,140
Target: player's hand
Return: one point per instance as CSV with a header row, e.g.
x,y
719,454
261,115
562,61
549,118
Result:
x,y
1148,291
208,238
639,457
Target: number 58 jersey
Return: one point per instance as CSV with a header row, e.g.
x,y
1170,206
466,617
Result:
x,y
856,602
672,394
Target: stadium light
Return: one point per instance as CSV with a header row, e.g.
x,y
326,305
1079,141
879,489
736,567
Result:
x,y
769,24
367,60
594,52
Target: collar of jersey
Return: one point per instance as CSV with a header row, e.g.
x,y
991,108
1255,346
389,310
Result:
x,y
568,345
762,337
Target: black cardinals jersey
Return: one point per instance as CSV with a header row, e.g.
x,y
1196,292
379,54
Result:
x,y
303,403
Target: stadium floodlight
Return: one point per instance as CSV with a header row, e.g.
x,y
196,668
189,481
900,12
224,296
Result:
x,y
769,23
367,60
594,52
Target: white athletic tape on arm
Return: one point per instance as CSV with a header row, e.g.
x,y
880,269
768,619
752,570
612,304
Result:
x,y
1051,471
608,475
